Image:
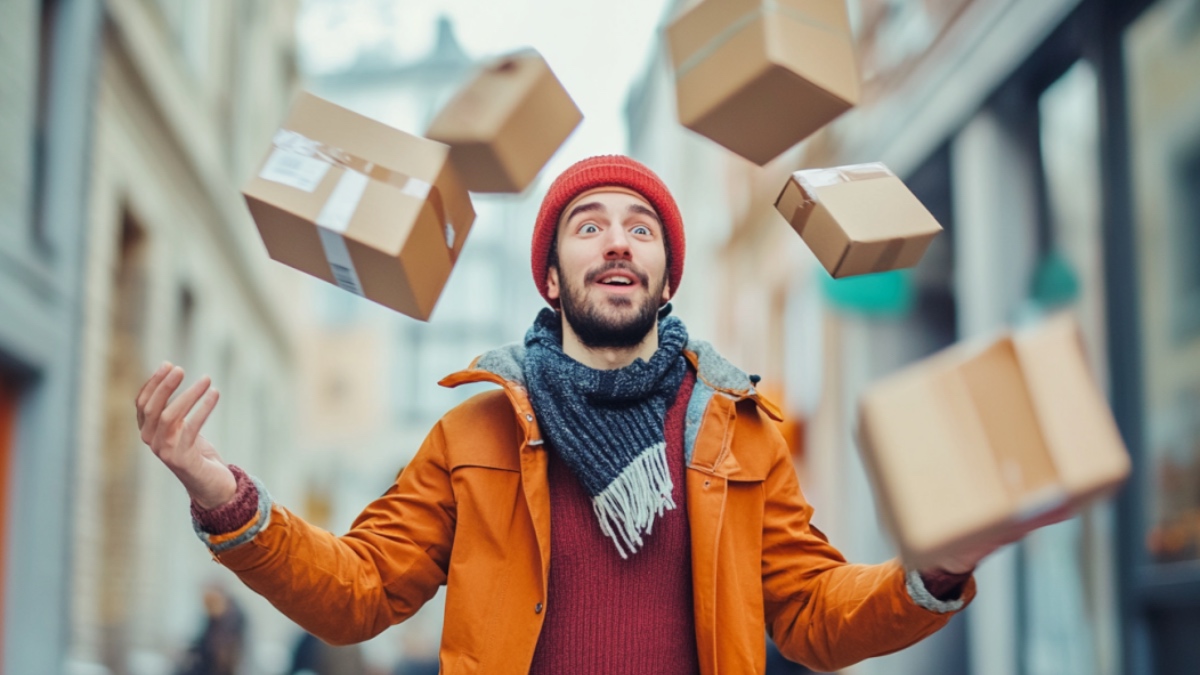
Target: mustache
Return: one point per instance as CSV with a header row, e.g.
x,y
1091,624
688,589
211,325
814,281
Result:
x,y
617,265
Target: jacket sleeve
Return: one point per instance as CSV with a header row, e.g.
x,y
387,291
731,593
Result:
x,y
350,588
822,611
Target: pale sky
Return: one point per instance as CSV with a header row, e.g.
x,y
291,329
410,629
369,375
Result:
x,y
598,48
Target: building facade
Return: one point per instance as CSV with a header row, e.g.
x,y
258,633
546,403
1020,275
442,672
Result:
x,y
126,243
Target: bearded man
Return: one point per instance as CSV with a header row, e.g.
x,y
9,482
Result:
x,y
623,503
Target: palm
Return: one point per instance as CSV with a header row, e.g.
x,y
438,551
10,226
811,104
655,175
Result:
x,y
173,433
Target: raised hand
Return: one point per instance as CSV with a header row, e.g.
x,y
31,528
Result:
x,y
172,430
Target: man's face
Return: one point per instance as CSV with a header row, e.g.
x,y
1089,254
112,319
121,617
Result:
x,y
611,275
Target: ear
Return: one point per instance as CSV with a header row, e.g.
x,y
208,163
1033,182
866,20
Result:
x,y
666,296
552,288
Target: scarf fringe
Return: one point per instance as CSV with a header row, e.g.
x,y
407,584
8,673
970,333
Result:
x,y
627,507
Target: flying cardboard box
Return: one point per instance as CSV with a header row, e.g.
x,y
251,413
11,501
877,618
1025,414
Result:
x,y
506,123
857,219
759,76
350,200
972,443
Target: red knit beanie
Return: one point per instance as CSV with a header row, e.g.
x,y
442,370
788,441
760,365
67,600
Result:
x,y
604,171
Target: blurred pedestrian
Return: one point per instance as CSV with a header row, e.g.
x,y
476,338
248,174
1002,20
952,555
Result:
x,y
312,656
679,527
219,647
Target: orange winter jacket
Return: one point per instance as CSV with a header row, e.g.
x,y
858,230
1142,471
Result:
x,y
472,511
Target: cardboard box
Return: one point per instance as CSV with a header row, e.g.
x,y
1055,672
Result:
x,y
350,200
506,123
975,441
857,219
759,76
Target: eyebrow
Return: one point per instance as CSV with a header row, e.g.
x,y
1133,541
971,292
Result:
x,y
597,206
584,208
638,208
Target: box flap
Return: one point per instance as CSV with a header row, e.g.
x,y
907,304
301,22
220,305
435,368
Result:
x,y
1075,418
1004,408
929,459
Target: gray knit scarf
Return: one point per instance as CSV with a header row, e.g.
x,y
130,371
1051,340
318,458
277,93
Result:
x,y
607,425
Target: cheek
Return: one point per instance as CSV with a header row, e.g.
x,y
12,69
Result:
x,y
571,264
656,262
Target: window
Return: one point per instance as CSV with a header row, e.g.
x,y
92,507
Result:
x,y
1160,51
41,132
1185,233
8,429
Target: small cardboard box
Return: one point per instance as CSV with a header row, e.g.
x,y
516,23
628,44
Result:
x,y
759,76
857,219
506,123
350,200
969,444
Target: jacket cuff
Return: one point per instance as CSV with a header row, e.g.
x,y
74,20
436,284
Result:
x,y
921,595
238,521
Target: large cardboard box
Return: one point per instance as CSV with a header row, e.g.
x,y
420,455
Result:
x,y
506,123
350,200
857,219
758,76
971,443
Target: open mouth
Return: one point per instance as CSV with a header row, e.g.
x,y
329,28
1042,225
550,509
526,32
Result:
x,y
618,279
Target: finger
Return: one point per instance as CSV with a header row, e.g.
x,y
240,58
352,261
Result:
x,y
158,400
191,428
181,406
149,386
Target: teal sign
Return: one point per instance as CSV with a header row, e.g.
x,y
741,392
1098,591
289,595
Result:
x,y
883,294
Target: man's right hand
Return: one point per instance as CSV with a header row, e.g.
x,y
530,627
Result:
x,y
172,430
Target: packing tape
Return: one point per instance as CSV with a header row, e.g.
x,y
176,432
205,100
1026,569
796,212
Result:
x,y
800,214
332,223
302,162
299,146
810,179
726,34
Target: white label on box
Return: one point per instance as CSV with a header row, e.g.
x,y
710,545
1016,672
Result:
x,y
340,263
294,170
450,235
342,203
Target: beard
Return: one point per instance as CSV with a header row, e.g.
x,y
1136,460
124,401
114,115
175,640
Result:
x,y
601,327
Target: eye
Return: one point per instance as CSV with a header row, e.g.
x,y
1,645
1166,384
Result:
x,y
641,230
588,228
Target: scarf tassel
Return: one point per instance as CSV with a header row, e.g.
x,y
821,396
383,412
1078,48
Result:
x,y
627,507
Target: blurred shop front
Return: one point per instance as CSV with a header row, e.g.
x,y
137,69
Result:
x,y
1060,144
1058,141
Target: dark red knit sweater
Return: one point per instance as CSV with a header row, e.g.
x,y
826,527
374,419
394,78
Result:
x,y
609,616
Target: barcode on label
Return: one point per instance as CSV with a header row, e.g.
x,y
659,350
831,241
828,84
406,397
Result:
x,y
345,278
340,263
294,170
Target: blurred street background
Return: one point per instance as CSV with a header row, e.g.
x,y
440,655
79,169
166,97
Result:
x,y
1057,141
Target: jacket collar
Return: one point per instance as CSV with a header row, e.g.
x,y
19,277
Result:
x,y
505,366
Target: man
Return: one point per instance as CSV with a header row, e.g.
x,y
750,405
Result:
x,y
623,504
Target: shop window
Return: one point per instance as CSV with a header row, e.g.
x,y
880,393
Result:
x,y
1161,50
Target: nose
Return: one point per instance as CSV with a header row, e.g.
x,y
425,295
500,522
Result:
x,y
616,244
